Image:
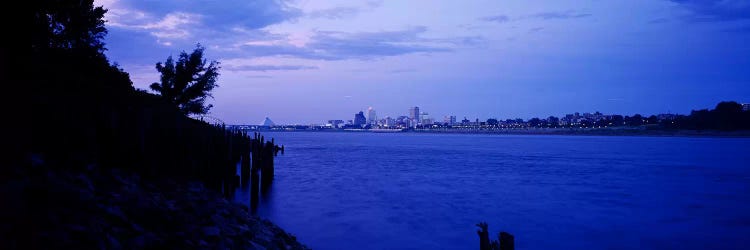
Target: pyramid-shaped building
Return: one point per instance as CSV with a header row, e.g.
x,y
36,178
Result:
x,y
267,123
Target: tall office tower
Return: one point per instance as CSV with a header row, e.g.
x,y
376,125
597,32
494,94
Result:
x,y
414,114
450,120
359,119
372,118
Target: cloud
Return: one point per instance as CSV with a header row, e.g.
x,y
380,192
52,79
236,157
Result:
x,y
218,14
334,13
559,15
365,45
716,11
400,71
334,45
151,30
176,22
264,68
497,19
537,29
552,15
263,50
343,11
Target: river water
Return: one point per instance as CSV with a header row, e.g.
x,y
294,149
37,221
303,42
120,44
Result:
x,y
338,190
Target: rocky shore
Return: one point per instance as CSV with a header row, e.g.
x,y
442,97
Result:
x,y
43,208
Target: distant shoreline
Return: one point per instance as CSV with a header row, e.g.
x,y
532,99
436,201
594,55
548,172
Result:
x,y
606,132
546,131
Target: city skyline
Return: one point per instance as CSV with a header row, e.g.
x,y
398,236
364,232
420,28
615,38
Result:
x,y
301,61
457,118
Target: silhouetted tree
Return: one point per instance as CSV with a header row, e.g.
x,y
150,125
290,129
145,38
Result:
x,y
602,123
617,120
62,24
534,122
553,121
727,116
700,119
728,107
188,82
636,120
586,123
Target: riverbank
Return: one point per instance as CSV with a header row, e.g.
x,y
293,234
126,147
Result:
x,y
113,209
548,131
596,132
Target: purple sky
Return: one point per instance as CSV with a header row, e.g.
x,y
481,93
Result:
x,y
302,62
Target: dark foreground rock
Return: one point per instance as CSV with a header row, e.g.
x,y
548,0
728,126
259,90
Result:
x,y
109,209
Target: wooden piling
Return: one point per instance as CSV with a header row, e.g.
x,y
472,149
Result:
x,y
484,236
506,241
245,164
254,188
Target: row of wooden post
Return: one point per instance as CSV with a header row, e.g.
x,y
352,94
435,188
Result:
x,y
505,240
259,168
255,157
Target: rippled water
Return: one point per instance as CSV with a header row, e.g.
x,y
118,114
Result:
x,y
426,191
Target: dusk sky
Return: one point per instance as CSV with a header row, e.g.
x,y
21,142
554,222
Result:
x,y
302,62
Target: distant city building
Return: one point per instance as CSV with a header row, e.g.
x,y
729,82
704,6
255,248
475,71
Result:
x,y
746,106
267,123
424,116
598,116
465,122
359,119
403,121
335,123
662,117
450,120
414,114
388,121
372,118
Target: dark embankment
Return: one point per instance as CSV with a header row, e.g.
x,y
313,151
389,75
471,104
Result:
x,y
111,209
112,167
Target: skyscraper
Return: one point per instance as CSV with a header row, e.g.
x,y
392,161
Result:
x,y
424,116
450,120
414,114
372,118
389,121
359,119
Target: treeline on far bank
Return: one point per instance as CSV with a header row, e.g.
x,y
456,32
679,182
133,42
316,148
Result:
x,y
725,116
86,113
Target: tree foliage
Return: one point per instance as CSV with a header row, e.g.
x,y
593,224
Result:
x,y
68,52
62,24
188,82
